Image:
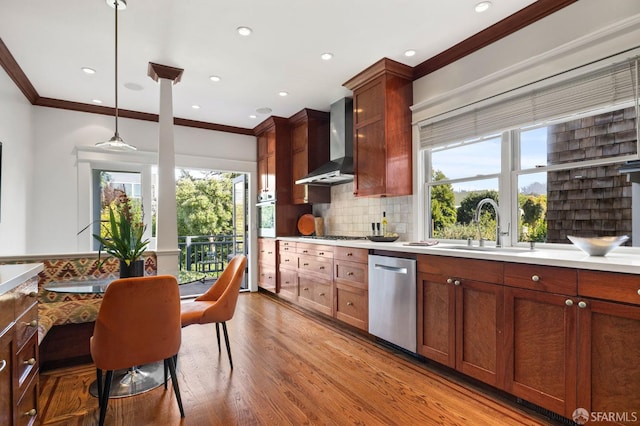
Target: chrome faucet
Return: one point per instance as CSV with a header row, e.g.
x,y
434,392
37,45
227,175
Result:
x,y
476,219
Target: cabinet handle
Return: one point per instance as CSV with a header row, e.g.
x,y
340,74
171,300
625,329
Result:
x,y
286,260
286,282
535,278
351,254
33,323
568,302
30,361
33,294
449,281
639,292
3,364
305,264
321,294
582,305
322,268
31,413
269,252
349,274
306,289
456,282
321,253
305,251
349,303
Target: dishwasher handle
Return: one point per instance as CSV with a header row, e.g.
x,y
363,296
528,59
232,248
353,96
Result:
x,y
395,269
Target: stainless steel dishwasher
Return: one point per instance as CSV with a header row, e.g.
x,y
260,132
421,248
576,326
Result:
x,y
392,300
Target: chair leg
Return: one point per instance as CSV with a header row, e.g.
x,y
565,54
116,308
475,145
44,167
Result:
x,y
226,340
218,335
105,397
99,381
174,381
166,368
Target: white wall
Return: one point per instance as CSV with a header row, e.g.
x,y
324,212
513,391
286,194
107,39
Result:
x,y
58,178
16,179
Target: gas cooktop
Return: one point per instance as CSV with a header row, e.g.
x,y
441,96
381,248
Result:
x,y
332,237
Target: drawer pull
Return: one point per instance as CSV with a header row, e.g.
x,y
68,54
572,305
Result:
x,y
568,302
269,252
535,278
286,260
449,281
321,294
286,282
305,251
582,305
33,323
33,294
639,292
321,253
349,274
322,268
349,303
31,413
306,289
3,364
456,282
349,254
30,361
305,264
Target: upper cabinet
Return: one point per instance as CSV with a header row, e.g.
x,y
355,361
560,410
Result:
x,y
382,95
274,167
309,150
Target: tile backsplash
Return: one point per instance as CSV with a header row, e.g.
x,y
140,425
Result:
x,y
352,216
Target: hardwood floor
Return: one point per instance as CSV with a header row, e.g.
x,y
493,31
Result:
x,y
289,369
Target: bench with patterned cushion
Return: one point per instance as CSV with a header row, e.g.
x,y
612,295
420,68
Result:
x,y
66,312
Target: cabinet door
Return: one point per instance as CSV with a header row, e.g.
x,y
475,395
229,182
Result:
x,y
352,305
271,173
6,377
479,328
609,358
262,175
540,340
299,169
436,319
288,284
370,159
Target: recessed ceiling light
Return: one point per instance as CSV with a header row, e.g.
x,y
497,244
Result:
x,y
215,78
483,6
122,4
409,52
253,116
134,86
88,70
244,31
326,56
283,93
96,101
195,106
264,110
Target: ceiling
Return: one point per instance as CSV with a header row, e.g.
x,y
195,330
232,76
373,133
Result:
x,y
52,41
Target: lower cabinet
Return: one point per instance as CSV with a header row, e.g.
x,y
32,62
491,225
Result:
x,y
461,319
351,278
316,293
6,377
267,266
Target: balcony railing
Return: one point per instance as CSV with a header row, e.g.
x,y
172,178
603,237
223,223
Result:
x,y
208,253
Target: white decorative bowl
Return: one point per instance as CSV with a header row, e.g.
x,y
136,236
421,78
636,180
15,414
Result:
x,y
597,246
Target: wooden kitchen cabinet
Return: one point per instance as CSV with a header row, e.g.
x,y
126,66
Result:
x,y
541,335
351,278
315,277
382,95
288,270
267,264
309,150
608,374
461,315
6,377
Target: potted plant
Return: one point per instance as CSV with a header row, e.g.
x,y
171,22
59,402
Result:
x,y
123,237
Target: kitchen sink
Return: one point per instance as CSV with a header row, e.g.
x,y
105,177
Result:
x,y
486,249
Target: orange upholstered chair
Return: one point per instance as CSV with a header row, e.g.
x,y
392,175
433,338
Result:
x,y
218,304
138,323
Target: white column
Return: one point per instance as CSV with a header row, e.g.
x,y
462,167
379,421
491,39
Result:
x,y
167,219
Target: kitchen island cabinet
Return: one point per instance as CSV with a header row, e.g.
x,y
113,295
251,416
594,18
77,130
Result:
x,y
382,95
460,315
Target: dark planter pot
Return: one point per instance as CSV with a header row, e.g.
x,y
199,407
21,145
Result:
x,y
134,269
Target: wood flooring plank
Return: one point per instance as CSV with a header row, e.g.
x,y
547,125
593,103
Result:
x,y
291,368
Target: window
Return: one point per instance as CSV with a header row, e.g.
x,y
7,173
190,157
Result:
x,y
552,176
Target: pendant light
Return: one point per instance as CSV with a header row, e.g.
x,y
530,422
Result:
x,y
116,143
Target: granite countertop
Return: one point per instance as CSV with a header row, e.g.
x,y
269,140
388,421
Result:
x,y
12,276
621,259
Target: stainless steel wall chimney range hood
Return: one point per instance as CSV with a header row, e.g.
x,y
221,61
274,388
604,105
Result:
x,y
340,168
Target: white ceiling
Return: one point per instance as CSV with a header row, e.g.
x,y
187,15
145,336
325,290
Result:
x,y
51,41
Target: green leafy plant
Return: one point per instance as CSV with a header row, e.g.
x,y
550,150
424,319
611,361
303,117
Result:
x,y
123,232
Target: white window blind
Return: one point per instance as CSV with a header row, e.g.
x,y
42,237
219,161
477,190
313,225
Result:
x,y
608,86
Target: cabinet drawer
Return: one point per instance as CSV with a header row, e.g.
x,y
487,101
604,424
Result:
x,y
351,254
351,273
267,277
316,294
316,265
27,361
352,305
7,303
288,260
26,325
267,250
544,278
455,267
26,295
287,246
27,408
613,286
315,250
288,284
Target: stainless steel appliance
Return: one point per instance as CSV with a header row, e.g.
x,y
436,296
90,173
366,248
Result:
x,y
392,300
266,208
